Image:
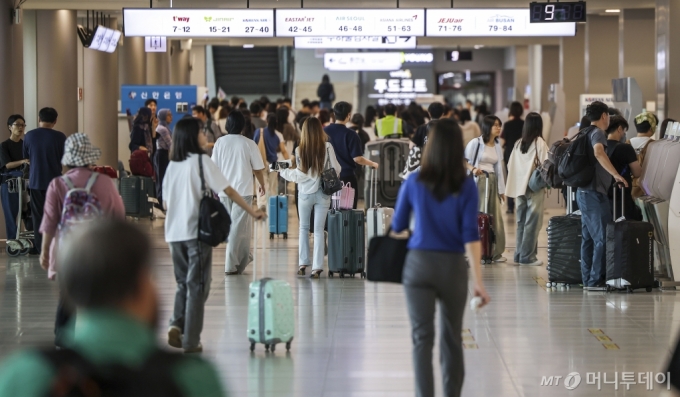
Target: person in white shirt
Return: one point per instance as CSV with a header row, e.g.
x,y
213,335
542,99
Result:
x,y
238,158
314,155
528,153
192,259
484,156
469,127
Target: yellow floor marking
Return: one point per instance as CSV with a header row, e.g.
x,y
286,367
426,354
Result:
x,y
610,346
468,338
603,338
595,331
470,346
466,332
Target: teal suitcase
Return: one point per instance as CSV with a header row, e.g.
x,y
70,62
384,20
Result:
x,y
271,316
346,243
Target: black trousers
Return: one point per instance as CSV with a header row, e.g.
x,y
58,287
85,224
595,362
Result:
x,y
161,160
37,206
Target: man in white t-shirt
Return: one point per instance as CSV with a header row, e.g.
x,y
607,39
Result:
x,y
238,158
645,124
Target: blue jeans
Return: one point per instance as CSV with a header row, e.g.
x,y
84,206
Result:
x,y
529,221
595,214
320,203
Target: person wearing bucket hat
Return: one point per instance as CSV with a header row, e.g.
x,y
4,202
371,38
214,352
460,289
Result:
x,y
79,156
645,124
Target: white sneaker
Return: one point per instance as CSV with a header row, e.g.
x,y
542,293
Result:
x,y
158,214
175,337
537,263
501,259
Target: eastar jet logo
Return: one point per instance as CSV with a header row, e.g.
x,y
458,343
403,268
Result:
x,y
180,19
301,19
450,20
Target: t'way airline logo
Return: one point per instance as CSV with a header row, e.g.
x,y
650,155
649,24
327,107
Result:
x,y
180,19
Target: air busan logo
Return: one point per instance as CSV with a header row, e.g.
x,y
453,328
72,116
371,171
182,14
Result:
x,y
501,19
180,19
450,20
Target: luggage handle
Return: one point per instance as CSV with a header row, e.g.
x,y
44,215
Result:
x,y
486,193
623,202
264,235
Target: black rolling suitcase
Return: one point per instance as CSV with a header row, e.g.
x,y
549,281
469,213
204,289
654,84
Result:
x,y
136,191
391,155
630,253
564,248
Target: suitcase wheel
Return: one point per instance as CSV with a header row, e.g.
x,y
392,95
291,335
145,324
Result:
x,y
271,236
285,236
363,274
629,289
330,274
252,347
648,289
266,347
342,275
272,347
288,346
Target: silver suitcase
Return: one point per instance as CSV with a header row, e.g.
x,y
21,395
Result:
x,y
379,219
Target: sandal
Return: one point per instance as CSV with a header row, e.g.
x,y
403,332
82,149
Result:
x,y
316,274
301,270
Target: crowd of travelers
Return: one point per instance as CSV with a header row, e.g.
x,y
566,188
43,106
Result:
x,y
230,148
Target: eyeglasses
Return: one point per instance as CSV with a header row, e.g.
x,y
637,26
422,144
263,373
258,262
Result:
x,y
19,125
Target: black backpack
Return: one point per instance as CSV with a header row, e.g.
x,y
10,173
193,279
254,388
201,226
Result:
x,y
214,221
577,165
76,376
548,169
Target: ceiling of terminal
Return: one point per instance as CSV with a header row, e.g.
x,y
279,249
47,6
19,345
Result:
x,y
594,6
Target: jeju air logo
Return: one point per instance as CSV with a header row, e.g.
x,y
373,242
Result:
x,y
180,19
450,20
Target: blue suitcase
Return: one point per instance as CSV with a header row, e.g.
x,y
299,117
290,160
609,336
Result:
x,y
278,216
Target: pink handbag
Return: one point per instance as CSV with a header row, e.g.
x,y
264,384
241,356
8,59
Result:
x,y
345,197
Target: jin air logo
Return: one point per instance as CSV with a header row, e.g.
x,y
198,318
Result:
x,y
207,19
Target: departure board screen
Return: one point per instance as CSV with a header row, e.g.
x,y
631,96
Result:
x,y
175,22
349,22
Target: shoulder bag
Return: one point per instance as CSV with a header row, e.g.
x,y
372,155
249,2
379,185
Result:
x,y
386,258
330,183
214,221
536,181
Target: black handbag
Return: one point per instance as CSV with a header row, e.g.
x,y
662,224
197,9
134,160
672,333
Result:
x,y
330,183
214,221
386,258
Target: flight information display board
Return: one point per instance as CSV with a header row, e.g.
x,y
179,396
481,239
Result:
x,y
350,22
496,22
175,22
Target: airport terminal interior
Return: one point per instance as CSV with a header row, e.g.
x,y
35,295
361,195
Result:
x,y
97,62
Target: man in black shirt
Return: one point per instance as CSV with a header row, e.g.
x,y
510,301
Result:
x,y
624,159
11,160
436,111
512,132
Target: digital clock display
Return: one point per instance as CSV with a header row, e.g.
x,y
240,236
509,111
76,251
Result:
x,y
574,11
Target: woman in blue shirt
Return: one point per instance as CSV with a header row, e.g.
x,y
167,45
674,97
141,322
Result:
x,y
444,201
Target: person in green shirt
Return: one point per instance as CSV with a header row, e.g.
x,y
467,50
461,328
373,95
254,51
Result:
x,y
390,126
117,304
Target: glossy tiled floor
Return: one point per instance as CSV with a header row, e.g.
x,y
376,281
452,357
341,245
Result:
x,y
353,338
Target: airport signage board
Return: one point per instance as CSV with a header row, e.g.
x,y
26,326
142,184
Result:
x,y
176,22
357,42
494,22
350,22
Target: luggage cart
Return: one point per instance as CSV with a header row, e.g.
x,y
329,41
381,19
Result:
x,y
23,243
